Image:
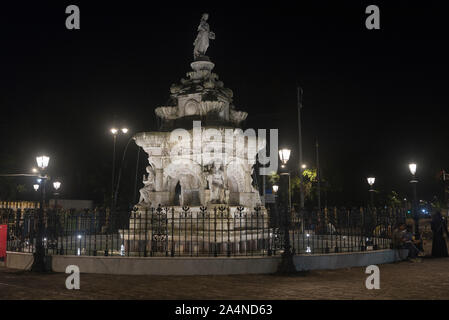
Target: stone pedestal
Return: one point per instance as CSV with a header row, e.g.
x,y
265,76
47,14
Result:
x,y
216,230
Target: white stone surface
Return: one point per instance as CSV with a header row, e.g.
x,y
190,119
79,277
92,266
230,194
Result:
x,y
206,265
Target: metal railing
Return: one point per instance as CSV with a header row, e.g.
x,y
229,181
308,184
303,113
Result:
x,y
219,231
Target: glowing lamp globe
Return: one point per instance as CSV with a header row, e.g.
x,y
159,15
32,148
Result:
x,y
284,155
42,161
412,167
56,185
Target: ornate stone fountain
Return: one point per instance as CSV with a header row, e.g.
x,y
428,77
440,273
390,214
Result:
x,y
200,160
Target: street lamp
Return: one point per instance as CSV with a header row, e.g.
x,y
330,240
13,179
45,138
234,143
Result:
x,y
36,187
275,188
56,186
284,155
371,181
115,132
287,266
412,167
39,262
42,162
303,166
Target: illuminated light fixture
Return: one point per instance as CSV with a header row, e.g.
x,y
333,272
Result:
x,y
36,187
34,170
412,167
308,250
371,180
275,188
79,236
303,166
125,130
56,185
114,131
42,161
284,155
38,180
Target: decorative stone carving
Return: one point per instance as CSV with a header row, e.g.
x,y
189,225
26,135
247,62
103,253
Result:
x,y
237,116
191,108
177,177
195,179
148,182
216,184
202,39
210,106
167,112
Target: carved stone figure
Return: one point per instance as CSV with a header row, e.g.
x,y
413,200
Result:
x,y
202,39
216,184
148,182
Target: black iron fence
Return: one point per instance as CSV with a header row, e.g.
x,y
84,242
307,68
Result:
x,y
219,231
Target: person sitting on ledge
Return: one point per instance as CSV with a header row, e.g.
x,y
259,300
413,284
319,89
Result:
x,y
403,239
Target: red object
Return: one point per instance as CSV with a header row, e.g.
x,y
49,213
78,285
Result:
x,y
3,233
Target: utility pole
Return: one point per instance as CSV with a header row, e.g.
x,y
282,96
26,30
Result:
x,y
301,186
445,177
318,175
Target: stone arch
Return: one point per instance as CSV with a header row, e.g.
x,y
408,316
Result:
x,y
235,181
188,175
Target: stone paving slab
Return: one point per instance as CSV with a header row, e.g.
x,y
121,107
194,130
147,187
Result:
x,y
404,280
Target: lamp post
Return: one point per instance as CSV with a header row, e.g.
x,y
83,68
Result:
x,y
114,132
284,155
412,167
301,168
286,266
39,262
56,186
371,181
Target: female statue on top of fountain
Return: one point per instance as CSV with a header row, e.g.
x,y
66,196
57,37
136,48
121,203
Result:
x,y
202,39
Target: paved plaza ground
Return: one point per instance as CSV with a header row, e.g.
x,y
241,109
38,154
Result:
x,y
428,279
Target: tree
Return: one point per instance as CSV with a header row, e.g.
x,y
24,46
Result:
x,y
393,199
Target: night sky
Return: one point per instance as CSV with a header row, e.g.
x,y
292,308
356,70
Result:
x,y
375,99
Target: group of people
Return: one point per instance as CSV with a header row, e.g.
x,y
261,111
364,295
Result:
x,y
403,238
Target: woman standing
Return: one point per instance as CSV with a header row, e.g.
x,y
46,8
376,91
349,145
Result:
x,y
439,227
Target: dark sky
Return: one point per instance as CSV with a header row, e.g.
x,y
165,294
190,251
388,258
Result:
x,y
375,99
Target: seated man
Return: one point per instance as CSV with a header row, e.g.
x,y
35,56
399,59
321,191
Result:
x,y
403,239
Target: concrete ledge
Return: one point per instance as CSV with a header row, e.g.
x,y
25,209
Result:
x,y
168,265
18,260
206,265
347,260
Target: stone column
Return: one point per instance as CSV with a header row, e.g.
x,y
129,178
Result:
x,y
159,179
